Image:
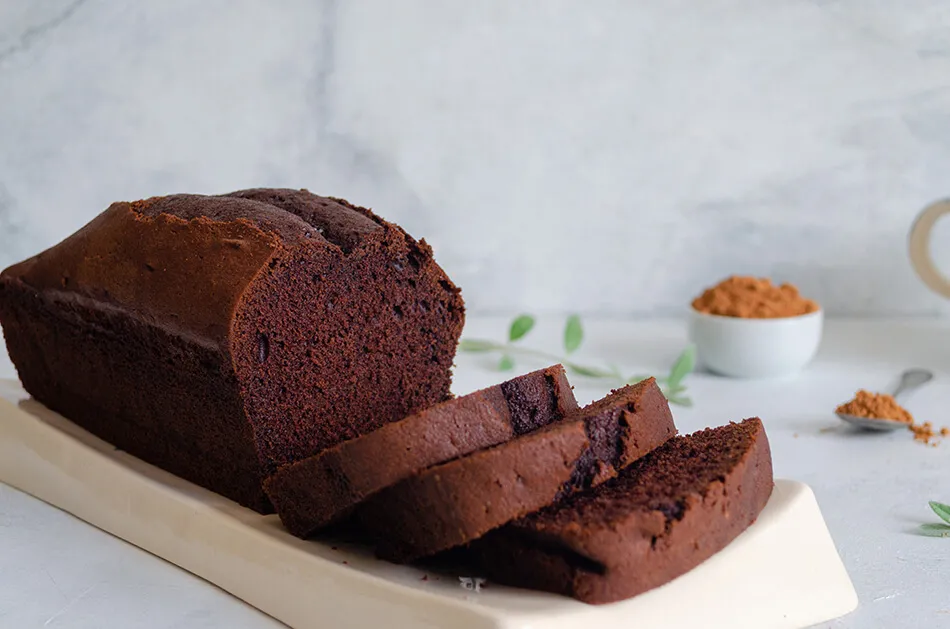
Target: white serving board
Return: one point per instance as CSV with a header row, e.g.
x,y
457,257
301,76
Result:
x,y
783,572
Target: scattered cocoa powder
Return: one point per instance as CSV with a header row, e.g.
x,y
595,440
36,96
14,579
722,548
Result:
x,y
875,406
925,432
753,298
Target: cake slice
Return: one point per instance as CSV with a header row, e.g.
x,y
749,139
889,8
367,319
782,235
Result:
x,y
453,503
220,337
661,517
322,489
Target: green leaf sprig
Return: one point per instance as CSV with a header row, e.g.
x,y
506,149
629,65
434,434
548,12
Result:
x,y
935,529
671,385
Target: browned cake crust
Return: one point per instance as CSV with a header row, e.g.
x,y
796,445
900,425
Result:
x,y
663,516
456,502
220,337
322,489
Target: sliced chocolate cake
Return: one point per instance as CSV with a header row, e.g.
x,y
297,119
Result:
x,y
456,502
661,517
322,489
220,337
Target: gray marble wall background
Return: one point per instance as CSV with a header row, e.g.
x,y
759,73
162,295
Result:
x,y
600,156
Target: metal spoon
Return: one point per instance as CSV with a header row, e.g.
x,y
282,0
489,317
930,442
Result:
x,y
910,380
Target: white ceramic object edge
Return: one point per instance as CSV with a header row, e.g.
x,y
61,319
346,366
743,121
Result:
x,y
755,348
782,573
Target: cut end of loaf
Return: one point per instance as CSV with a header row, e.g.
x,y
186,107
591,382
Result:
x,y
329,347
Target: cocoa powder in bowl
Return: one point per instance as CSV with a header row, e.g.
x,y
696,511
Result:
x,y
753,298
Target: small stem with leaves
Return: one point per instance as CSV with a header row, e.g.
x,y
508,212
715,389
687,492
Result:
x,y
671,385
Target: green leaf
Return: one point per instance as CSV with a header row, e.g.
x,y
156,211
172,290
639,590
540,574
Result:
x,y
573,334
477,345
680,400
520,326
673,389
590,372
683,365
935,530
507,363
941,510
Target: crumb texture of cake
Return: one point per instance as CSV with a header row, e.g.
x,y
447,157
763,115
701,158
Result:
x,y
453,503
220,337
323,489
662,516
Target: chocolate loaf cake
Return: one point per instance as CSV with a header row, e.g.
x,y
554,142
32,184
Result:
x,y
662,516
220,337
456,502
324,488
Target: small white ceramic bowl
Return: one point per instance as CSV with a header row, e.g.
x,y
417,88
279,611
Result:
x,y
755,348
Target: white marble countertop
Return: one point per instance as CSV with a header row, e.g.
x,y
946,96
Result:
x,y
790,139
873,489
